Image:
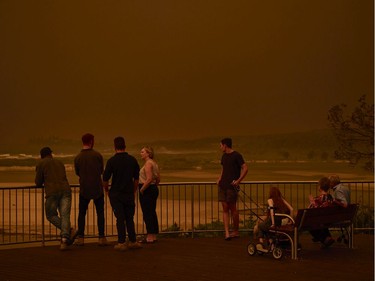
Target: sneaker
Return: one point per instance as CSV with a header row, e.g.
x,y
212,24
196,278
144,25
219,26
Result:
x,y
103,241
64,244
134,245
80,241
121,247
73,236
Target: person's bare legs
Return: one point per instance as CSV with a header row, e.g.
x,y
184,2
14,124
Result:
x,y
256,227
235,219
226,218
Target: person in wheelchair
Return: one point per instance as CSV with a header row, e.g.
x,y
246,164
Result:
x,y
276,204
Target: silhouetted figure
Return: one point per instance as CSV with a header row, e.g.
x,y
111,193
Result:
x,y
149,178
124,171
234,169
323,200
89,166
51,173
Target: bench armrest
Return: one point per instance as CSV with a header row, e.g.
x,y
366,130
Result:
x,y
286,216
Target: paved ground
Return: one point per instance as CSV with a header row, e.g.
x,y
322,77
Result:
x,y
189,259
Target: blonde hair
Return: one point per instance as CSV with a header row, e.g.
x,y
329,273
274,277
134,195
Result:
x,y
150,151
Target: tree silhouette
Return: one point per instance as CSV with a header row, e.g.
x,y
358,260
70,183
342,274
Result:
x,y
355,133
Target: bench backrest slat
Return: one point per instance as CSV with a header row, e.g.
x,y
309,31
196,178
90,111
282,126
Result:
x,y
308,219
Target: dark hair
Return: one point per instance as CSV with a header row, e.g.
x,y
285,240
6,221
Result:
x,y
227,142
278,202
324,184
119,143
45,151
87,138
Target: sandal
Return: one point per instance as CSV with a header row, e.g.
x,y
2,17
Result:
x,y
142,241
234,235
145,241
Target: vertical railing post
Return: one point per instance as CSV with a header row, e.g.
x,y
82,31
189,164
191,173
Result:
x,y
192,211
43,238
256,193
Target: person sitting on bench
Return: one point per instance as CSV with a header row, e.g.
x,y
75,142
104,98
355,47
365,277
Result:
x,y
341,193
323,200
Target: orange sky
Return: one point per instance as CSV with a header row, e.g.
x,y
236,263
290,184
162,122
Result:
x,y
153,70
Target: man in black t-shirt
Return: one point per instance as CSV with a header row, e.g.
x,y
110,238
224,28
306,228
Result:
x,y
234,169
124,170
88,165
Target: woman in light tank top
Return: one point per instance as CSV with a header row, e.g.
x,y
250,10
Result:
x,y
149,178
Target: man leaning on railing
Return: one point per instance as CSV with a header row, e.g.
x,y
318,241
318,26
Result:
x,y
51,173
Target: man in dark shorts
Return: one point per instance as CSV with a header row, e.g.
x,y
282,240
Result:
x,y
234,170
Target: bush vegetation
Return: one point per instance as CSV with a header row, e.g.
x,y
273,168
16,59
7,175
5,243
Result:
x,y
364,220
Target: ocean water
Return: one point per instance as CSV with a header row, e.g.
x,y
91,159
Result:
x,y
188,166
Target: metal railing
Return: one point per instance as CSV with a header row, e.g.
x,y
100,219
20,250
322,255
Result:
x,y
183,208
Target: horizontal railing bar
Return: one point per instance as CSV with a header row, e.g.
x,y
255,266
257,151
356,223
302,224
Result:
x,y
190,210
204,183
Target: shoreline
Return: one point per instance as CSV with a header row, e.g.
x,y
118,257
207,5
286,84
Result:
x,y
264,171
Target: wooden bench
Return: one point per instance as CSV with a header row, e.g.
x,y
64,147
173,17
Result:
x,y
318,218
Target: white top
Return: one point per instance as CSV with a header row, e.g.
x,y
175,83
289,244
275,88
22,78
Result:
x,y
155,173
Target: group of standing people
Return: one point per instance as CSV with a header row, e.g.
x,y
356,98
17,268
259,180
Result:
x,y
126,178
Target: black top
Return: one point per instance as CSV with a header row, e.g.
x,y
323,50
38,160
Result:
x,y
88,165
124,169
232,163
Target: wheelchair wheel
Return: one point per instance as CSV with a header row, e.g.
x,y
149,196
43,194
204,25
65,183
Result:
x,y
251,249
277,253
